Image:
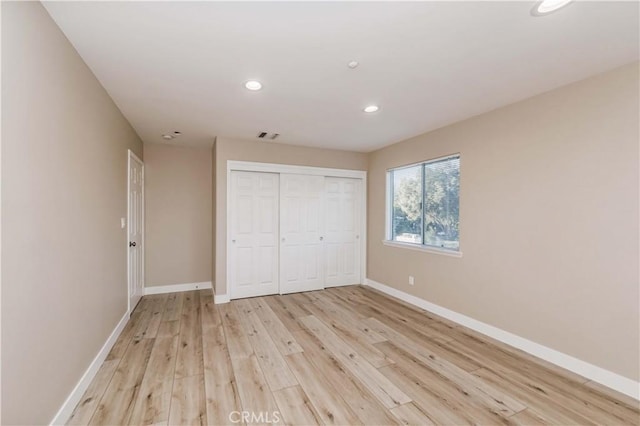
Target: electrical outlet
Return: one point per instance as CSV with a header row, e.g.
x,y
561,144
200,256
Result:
x,y
410,279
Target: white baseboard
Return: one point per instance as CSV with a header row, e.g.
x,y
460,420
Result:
x,y
592,372
221,298
176,288
73,399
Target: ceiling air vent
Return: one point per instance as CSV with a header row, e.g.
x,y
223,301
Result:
x,y
265,135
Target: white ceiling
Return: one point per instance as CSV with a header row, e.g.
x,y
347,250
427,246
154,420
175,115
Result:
x,y
182,65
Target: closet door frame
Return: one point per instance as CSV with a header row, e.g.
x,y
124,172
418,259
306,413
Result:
x,y
249,166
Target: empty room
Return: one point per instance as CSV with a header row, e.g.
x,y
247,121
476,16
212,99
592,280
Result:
x,y
320,213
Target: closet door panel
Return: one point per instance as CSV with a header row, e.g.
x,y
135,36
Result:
x,y
301,225
253,234
342,233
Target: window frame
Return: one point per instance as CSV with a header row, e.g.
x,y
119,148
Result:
x,y
388,241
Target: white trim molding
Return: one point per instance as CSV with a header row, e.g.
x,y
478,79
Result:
x,y
176,288
421,247
221,298
62,416
251,166
592,372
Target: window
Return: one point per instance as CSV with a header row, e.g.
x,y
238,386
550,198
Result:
x,y
424,203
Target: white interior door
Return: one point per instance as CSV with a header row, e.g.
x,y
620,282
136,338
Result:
x,y
301,238
342,231
253,234
135,230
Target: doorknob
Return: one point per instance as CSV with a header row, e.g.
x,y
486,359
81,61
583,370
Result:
x,y
132,243
321,238
233,241
283,239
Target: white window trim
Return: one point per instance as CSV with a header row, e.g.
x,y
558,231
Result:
x,y
389,202
421,247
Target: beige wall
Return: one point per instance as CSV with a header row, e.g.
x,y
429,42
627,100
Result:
x,y
178,215
265,152
548,220
64,169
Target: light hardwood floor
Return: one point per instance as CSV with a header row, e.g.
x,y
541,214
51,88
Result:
x,y
344,356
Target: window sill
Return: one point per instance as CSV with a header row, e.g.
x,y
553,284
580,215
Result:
x,y
417,247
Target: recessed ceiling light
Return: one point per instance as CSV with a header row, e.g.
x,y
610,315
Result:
x,y
167,137
253,85
371,108
545,7
353,64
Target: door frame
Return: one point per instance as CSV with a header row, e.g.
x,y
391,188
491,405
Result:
x,y
131,155
250,166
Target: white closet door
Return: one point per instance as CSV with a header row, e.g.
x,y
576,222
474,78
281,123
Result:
x,y
301,238
253,234
342,231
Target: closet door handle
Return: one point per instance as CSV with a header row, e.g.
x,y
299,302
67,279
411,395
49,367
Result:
x,y
283,239
321,238
233,241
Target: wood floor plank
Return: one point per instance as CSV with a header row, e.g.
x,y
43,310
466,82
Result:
x,y
255,395
435,327
630,402
209,311
409,320
237,340
466,335
534,398
188,401
501,402
116,404
287,311
221,391
574,396
274,367
189,361
173,308
414,331
529,417
168,329
332,307
441,408
121,344
451,394
157,310
146,307
368,409
329,404
91,397
359,340
383,389
281,336
410,414
154,398
295,408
